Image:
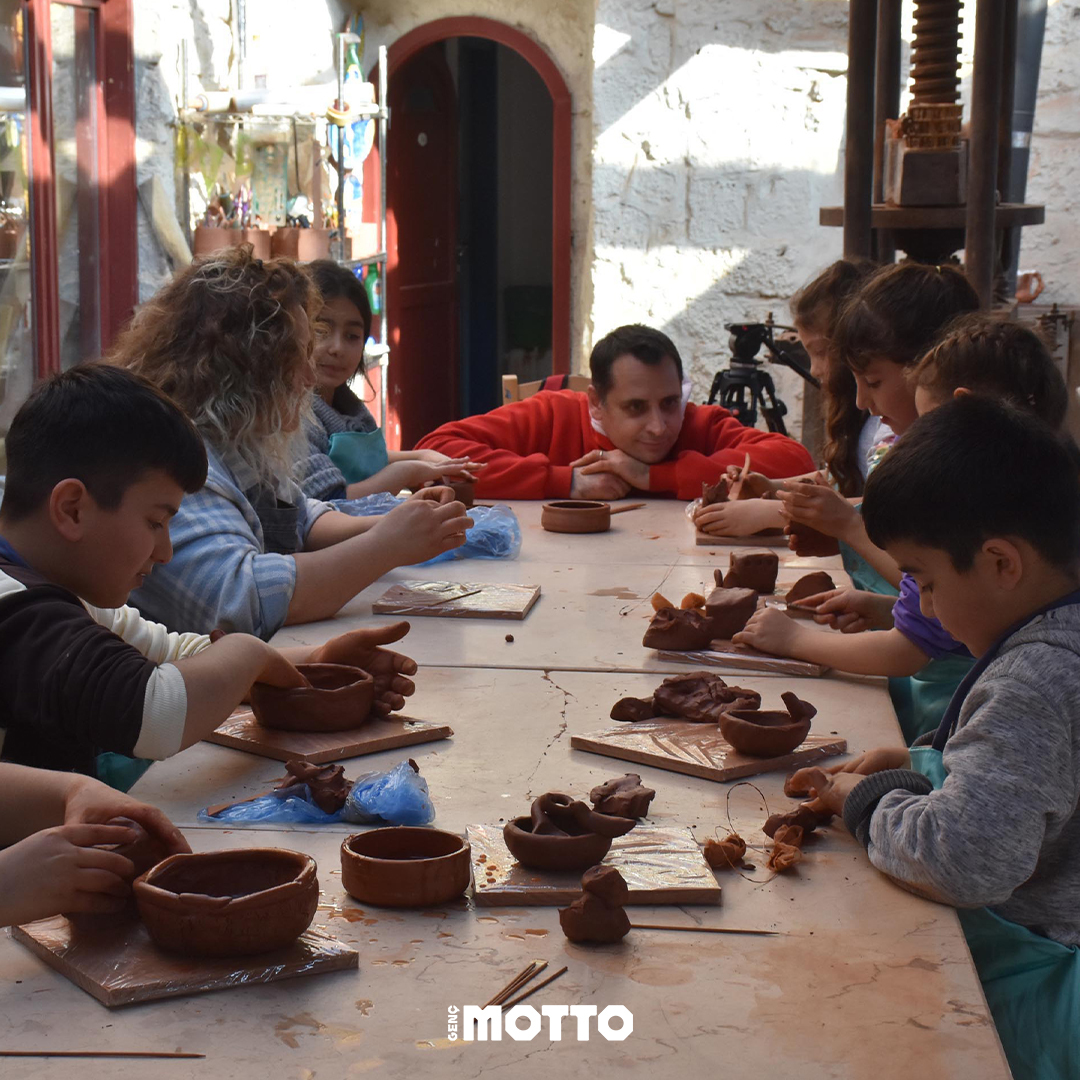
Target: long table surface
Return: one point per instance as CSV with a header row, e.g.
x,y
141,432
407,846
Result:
x,y
862,978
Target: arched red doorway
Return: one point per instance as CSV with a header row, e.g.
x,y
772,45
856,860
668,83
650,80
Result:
x,y
409,381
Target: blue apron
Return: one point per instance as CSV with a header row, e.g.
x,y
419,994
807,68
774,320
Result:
x,y
1032,983
359,454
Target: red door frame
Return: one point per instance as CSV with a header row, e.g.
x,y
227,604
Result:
x,y
474,26
117,194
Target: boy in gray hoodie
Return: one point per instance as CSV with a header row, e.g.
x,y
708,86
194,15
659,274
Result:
x,y
981,505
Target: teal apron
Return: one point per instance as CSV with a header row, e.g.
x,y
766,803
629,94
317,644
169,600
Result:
x,y
359,454
1032,984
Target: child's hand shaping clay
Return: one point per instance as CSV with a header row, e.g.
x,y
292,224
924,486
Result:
x,y
872,761
771,631
421,527
830,790
90,802
820,507
852,610
739,518
361,648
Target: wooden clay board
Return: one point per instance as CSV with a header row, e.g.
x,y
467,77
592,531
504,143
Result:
x,y
742,657
120,965
661,865
242,732
457,600
698,749
757,540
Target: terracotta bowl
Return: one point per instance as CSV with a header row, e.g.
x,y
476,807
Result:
x,y
763,733
339,698
553,852
404,866
576,516
229,903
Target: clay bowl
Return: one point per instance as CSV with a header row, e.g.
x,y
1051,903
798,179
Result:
x,y
763,733
576,516
405,867
553,852
339,698
229,903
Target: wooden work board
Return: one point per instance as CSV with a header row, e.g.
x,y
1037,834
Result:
x,y
119,964
698,749
661,864
243,732
457,600
743,658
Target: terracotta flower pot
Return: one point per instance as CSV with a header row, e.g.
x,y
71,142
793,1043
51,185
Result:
x,y
404,867
229,903
576,516
765,733
553,852
339,698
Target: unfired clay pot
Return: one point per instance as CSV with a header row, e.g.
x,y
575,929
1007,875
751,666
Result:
x,y
576,516
339,698
229,903
404,867
553,852
764,733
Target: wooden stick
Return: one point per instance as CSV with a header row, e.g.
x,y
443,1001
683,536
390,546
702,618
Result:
x,y
631,506
538,986
700,929
97,1054
518,981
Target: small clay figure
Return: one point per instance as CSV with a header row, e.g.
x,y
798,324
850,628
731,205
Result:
x,y
783,857
755,570
555,814
729,610
701,696
624,796
809,585
715,493
562,833
803,818
660,601
597,916
692,600
726,854
671,628
632,709
326,783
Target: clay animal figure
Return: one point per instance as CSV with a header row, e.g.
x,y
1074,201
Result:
x,y
809,585
726,854
562,833
597,916
671,628
768,733
326,783
729,610
701,696
624,796
755,570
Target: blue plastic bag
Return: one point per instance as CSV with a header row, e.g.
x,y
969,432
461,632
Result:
x,y
271,809
399,797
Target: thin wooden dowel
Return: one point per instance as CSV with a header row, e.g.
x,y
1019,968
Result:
x,y
518,981
98,1054
700,929
538,986
623,509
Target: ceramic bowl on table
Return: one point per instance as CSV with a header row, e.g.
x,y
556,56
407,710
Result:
x,y
405,866
576,516
339,698
763,733
540,851
229,903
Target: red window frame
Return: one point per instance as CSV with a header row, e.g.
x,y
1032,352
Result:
x,y
116,192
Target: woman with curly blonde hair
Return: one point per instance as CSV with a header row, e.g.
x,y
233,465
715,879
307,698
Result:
x,y
230,340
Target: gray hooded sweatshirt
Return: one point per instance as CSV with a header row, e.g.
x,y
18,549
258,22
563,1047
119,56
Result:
x,y
1004,830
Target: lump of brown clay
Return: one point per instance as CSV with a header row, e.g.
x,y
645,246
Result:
x,y
597,916
729,610
783,857
726,854
794,791
632,709
692,600
715,493
338,698
809,585
659,601
803,818
755,570
563,834
624,796
701,696
789,834
808,542
326,783
768,733
671,628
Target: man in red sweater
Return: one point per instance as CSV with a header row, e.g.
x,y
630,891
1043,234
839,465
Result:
x,y
631,431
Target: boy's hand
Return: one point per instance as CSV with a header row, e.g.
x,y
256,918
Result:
x,y
872,761
361,648
830,790
617,463
60,870
851,610
91,802
771,631
436,492
820,507
421,527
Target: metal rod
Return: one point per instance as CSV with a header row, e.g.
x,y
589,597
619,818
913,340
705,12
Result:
x,y
979,236
859,151
1006,111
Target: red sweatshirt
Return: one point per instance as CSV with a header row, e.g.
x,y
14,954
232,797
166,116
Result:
x,y
529,445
